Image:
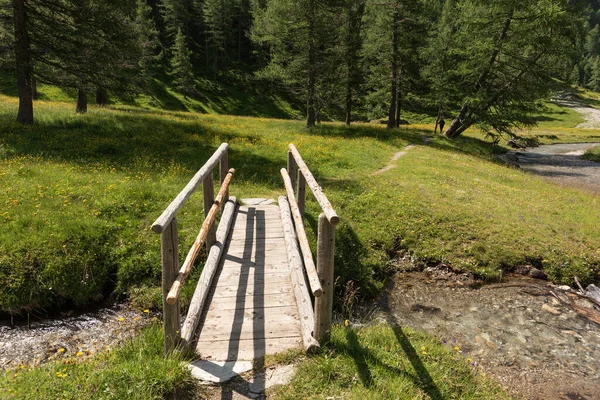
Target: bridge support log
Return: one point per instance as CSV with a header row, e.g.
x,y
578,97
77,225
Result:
x,y
169,252
307,320
208,273
324,303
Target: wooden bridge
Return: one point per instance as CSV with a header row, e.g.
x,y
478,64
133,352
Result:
x,y
260,291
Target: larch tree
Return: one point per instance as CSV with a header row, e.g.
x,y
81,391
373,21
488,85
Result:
x,y
507,54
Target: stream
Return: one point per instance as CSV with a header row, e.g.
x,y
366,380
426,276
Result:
x,y
70,335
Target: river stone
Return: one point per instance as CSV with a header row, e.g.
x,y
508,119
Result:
x,y
550,309
210,372
279,375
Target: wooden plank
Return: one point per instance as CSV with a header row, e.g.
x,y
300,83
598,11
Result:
x,y
159,225
230,292
324,304
248,265
309,264
202,235
246,349
253,274
272,300
169,252
253,279
326,206
301,294
248,316
254,333
210,267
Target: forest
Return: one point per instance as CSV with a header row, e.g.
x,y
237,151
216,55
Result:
x,y
473,62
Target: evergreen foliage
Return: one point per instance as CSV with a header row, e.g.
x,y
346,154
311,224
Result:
x,y
181,65
345,59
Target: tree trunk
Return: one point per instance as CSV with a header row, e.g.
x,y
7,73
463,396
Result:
x,y
462,121
394,89
101,97
34,92
399,106
23,64
81,101
310,102
459,124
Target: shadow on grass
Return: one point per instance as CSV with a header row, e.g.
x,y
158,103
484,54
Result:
x,y
363,359
425,381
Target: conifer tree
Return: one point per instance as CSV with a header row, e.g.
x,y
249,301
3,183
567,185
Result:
x,y
181,64
149,44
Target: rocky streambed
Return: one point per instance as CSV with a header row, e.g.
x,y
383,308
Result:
x,y
534,337
68,335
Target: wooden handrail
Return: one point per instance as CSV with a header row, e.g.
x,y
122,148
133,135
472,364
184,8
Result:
x,y
326,206
200,239
309,264
159,225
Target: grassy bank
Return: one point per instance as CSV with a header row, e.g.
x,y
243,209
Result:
x,y
372,362
81,191
384,362
592,154
136,370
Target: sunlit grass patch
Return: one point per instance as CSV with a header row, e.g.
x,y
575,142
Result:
x,y
388,362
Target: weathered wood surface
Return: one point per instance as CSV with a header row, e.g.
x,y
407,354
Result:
x,y
210,268
309,264
324,304
305,309
170,265
326,206
208,189
159,225
251,310
197,245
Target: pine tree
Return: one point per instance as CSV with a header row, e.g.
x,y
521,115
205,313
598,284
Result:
x,y
181,64
148,39
394,33
303,39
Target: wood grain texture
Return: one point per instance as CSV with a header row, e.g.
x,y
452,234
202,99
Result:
x,y
324,304
171,210
200,239
314,186
251,309
169,253
309,264
206,278
304,304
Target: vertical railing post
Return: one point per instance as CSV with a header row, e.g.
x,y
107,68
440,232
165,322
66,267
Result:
x,y
301,193
208,187
324,303
169,252
292,168
223,169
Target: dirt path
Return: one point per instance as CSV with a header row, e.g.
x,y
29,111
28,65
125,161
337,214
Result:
x,y
561,163
532,342
590,114
393,160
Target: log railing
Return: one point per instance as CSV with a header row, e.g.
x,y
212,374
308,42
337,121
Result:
x,y
166,225
315,322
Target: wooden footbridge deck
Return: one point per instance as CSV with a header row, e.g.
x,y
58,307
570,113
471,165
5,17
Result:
x,y
260,292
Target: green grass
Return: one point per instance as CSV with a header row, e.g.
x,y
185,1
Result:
x,y
135,370
389,362
592,154
81,191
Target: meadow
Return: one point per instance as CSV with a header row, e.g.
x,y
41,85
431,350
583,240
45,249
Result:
x,y
81,191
